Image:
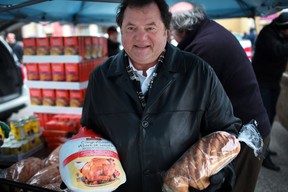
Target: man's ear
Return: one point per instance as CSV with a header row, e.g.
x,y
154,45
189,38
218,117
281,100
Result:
x,y
182,34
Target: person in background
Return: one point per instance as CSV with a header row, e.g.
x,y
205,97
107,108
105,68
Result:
x,y
112,41
269,62
154,101
16,47
245,36
197,34
251,36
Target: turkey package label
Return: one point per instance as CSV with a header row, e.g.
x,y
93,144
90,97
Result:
x,y
90,163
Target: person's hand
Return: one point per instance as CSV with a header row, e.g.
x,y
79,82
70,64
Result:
x,y
222,181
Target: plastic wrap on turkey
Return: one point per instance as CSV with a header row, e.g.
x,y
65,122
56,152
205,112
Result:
x,y
90,163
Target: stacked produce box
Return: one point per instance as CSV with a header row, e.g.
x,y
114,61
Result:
x,y
60,128
58,69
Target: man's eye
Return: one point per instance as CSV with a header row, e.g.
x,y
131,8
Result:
x,y
151,29
130,28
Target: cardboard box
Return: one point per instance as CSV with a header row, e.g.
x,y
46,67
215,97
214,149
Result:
x,y
45,72
42,46
71,45
77,98
88,47
29,45
56,45
32,71
35,96
95,47
58,71
62,98
49,97
72,72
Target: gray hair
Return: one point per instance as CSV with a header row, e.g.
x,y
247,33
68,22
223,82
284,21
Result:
x,y
186,20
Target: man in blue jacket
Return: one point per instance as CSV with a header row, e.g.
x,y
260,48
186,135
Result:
x,y
154,101
197,34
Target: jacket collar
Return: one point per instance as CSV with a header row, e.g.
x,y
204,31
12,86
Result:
x,y
169,71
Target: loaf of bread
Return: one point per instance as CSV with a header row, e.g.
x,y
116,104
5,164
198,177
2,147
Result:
x,y
23,170
53,157
203,159
46,175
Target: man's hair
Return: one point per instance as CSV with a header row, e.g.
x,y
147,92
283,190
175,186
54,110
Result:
x,y
111,30
162,5
187,20
7,34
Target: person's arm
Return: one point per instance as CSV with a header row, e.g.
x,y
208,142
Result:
x,y
219,114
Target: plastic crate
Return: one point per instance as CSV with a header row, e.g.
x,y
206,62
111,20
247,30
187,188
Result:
x,y
13,186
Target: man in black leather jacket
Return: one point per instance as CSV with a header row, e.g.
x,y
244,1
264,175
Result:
x,y
154,101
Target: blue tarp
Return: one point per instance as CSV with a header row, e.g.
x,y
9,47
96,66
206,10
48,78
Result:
x,y
104,11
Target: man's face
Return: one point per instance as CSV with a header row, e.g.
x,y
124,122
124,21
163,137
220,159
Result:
x,y
11,38
114,37
143,35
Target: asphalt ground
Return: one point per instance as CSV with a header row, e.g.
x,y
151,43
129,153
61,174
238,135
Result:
x,y
272,181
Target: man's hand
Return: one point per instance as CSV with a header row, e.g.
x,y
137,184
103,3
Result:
x,y
222,181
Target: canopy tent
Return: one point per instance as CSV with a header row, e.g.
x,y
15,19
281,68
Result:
x,y
104,11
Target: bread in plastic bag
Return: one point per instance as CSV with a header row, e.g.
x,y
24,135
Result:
x,y
89,162
47,175
53,157
208,156
23,170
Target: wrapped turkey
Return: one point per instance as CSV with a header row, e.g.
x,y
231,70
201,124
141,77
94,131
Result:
x,y
90,163
207,157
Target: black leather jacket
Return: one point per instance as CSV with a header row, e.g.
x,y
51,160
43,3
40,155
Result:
x,y
185,102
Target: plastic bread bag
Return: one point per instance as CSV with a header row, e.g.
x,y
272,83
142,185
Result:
x,y
47,175
250,135
24,169
89,163
208,156
53,157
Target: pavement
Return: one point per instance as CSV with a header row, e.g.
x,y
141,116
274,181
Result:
x,y
272,181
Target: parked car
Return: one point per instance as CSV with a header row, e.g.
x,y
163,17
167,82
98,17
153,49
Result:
x,y
14,94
